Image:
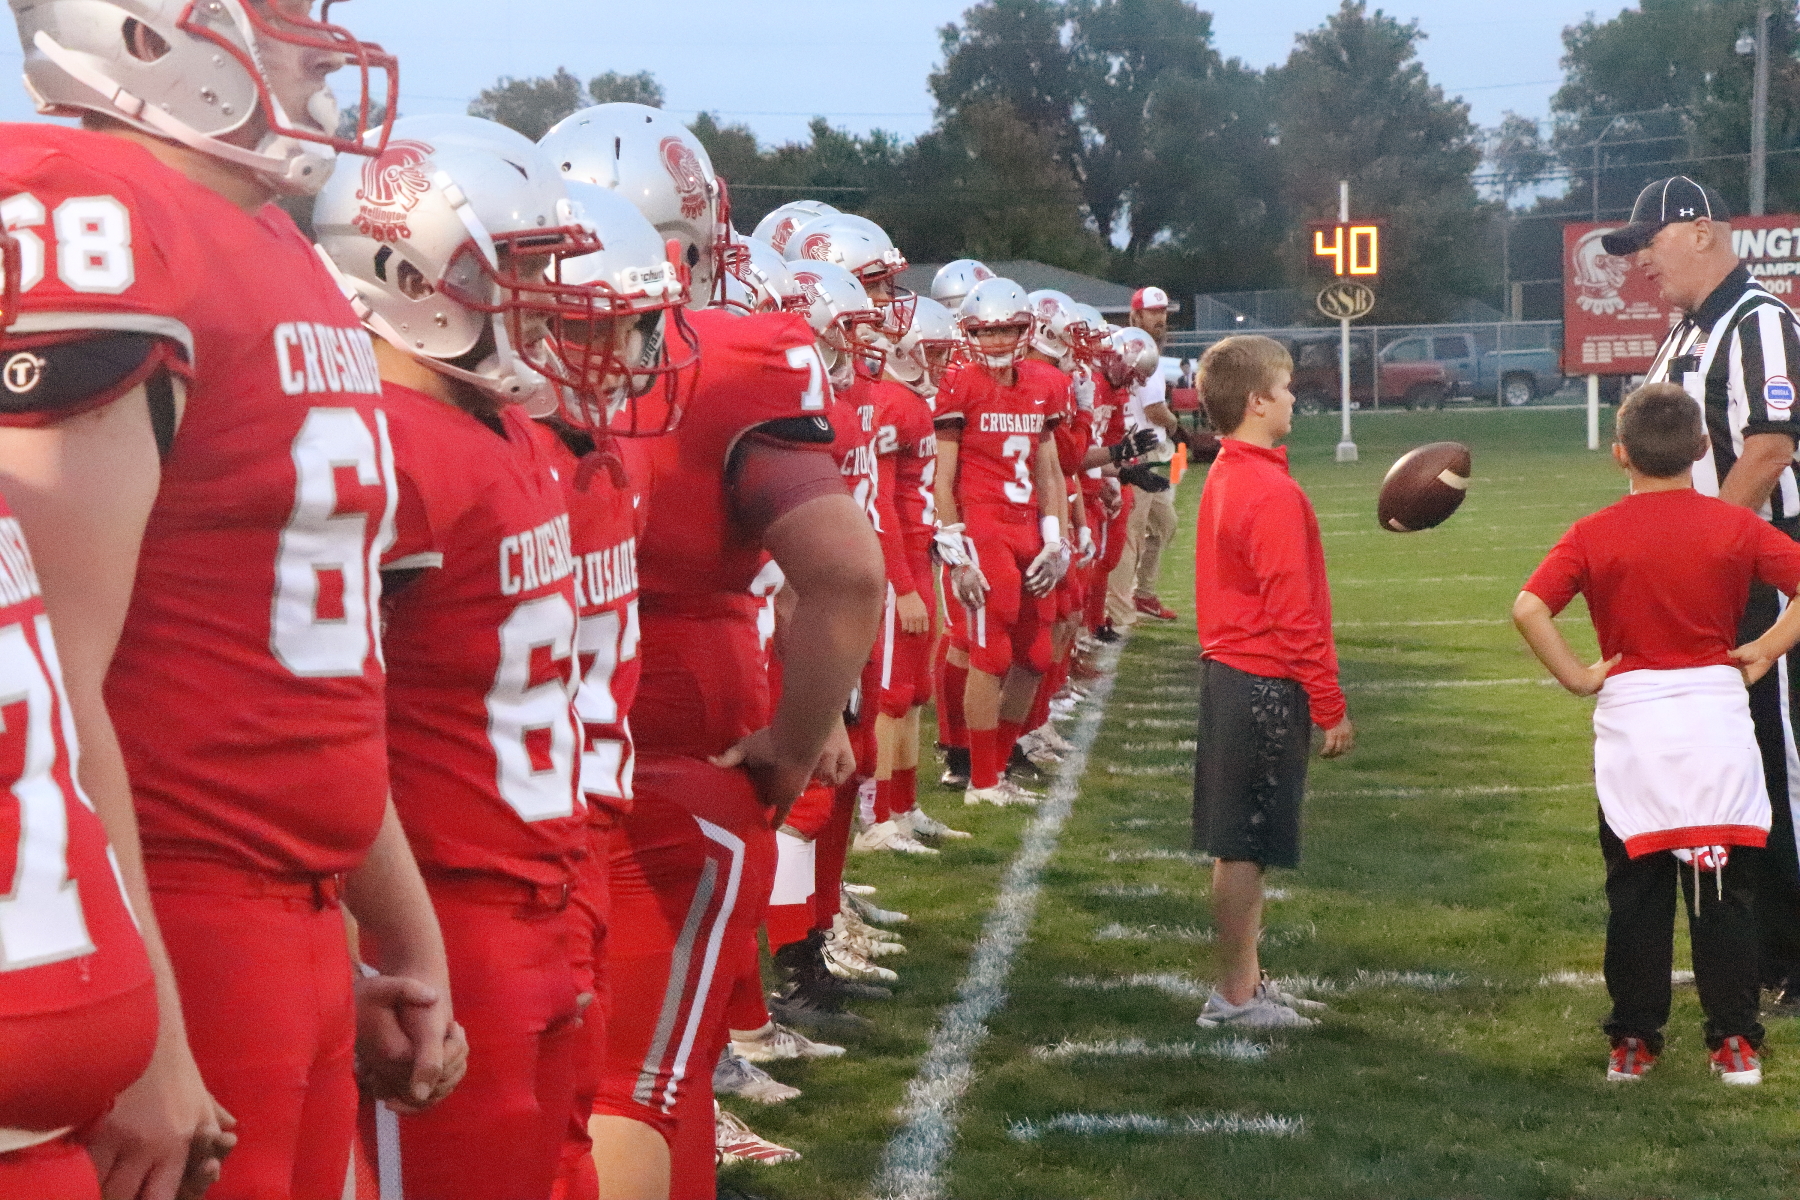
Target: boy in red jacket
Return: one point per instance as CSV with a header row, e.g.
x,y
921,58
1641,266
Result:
x,y
1666,572
1268,670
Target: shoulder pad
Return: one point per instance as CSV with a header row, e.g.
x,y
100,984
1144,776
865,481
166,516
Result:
x,y
806,431
72,375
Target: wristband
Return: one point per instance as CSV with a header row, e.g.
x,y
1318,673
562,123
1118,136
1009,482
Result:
x,y
1051,528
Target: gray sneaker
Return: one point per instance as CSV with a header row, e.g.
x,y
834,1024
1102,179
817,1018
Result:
x,y
1262,1011
738,1076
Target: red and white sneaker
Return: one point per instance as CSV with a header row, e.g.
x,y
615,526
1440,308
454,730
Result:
x,y
1737,1063
736,1143
1631,1060
1150,606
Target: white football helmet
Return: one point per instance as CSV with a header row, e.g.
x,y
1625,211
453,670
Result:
x,y
780,224
843,318
1138,351
637,335
761,282
1054,334
931,343
955,280
1089,329
192,72
428,240
864,249
996,304
656,162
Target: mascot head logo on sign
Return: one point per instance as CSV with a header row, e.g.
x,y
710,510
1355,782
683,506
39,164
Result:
x,y
683,166
1598,275
392,186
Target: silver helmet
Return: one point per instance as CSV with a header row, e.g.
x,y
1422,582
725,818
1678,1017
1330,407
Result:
x,y
1138,351
1054,335
1089,329
843,318
193,73
761,282
429,239
955,280
779,224
996,304
656,162
931,343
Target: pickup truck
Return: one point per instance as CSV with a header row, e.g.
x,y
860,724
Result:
x,y
1524,367
1420,383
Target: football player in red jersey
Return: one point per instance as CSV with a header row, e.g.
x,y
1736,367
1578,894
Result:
x,y
744,469
481,618
1000,499
230,457
906,450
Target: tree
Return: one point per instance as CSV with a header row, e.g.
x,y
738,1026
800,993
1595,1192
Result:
x,y
1517,156
615,88
1354,103
532,106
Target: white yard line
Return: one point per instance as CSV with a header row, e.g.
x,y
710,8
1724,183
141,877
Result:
x,y
1162,769
1231,1049
912,1167
1503,789
1194,1124
1186,856
1409,685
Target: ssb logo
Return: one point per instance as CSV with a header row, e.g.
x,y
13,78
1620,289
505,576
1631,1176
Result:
x,y
1778,393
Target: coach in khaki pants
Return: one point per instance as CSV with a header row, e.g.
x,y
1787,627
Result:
x,y
1131,588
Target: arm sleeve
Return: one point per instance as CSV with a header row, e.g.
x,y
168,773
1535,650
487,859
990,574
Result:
x,y
1765,353
887,527
1560,576
1276,548
771,479
1777,557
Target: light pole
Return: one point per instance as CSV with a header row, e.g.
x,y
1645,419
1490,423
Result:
x,y
1597,141
1759,116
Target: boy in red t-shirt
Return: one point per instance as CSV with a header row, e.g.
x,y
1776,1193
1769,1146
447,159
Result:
x,y
1666,573
1268,670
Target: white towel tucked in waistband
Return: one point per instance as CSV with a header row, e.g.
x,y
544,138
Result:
x,y
1676,762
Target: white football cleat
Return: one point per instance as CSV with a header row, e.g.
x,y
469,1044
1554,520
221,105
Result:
x,y
871,912
842,960
920,823
736,1143
888,836
738,1076
1002,794
1047,735
858,889
848,926
775,1042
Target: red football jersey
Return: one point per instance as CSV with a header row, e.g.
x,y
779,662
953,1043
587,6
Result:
x,y
604,523
247,686
67,937
1108,422
1001,430
906,450
481,648
853,446
703,686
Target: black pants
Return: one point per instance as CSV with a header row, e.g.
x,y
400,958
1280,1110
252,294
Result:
x,y
1775,871
1250,766
1640,945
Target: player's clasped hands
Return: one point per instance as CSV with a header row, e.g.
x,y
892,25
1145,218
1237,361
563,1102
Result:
x,y
410,1054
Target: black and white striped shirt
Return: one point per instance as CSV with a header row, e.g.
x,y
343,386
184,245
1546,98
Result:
x,y
1737,355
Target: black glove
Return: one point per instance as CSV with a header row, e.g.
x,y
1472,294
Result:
x,y
1135,445
1143,477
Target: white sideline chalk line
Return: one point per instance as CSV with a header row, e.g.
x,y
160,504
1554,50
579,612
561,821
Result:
x,y
1186,856
1194,1124
1502,789
1231,1049
912,1166
1403,685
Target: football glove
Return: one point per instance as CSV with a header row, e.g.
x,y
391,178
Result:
x,y
969,585
1086,549
1135,445
1142,477
948,545
1083,382
1048,568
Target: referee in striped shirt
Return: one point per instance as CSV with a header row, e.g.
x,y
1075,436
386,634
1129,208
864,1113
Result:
x,y
1736,351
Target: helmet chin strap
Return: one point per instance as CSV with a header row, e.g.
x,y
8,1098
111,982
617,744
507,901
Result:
x,y
504,374
292,166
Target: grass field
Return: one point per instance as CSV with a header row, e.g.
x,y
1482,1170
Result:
x,y
1449,910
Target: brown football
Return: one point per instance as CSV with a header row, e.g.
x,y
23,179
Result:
x,y
1424,487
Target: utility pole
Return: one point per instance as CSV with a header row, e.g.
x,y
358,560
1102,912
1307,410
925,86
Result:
x,y
1759,116
1346,448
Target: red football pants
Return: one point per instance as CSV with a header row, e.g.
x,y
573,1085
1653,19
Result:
x,y
591,913
1012,626
692,864
498,1136
1114,533
53,1170
265,978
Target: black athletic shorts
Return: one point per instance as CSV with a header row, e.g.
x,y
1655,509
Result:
x,y
1250,766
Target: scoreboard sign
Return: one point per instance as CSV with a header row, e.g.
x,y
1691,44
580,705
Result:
x,y
1614,318
1347,249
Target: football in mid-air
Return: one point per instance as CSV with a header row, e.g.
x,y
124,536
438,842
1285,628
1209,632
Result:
x,y
1424,487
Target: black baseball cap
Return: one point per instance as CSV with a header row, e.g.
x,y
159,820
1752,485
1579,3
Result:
x,y
1666,202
